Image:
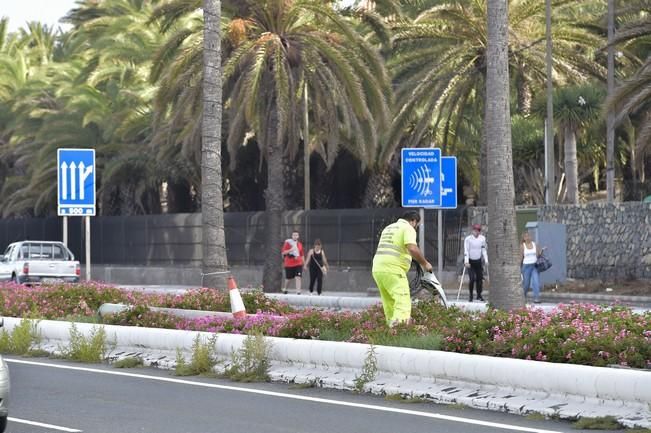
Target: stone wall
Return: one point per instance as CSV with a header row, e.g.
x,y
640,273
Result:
x,y
603,241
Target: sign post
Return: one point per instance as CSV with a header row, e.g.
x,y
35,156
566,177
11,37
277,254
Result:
x,y
448,197
421,179
76,190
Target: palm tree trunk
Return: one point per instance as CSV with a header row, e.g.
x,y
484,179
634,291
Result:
x,y
571,166
483,161
505,292
483,171
525,96
128,205
214,262
379,189
274,200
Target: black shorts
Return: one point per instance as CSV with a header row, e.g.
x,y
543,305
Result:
x,y
293,272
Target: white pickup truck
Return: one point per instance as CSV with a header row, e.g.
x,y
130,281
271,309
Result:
x,y
31,262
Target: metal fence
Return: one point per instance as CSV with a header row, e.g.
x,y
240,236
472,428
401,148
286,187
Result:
x,y
349,236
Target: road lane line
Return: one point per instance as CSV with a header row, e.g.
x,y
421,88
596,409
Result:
x,y
40,424
289,396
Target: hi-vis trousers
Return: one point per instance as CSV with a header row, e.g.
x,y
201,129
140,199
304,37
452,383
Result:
x,y
396,300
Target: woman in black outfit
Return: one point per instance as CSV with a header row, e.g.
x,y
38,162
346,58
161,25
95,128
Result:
x,y
318,264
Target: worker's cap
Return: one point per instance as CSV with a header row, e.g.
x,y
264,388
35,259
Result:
x,y
476,227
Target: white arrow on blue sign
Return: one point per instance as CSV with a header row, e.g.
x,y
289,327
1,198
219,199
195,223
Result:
x,y
76,182
448,182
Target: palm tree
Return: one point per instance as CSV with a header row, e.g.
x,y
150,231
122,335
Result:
x,y
117,45
89,88
273,47
574,108
632,98
214,260
439,63
503,247
290,42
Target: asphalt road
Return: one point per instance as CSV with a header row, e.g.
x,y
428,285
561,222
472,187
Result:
x,y
71,397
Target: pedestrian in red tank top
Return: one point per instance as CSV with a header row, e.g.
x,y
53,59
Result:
x,y
292,254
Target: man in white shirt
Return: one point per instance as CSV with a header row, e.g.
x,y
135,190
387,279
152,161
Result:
x,y
474,249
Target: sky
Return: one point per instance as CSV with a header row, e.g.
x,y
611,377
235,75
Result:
x,y
45,11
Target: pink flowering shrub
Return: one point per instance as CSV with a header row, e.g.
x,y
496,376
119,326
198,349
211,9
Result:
x,y
578,334
208,300
260,323
140,315
62,300
56,301
313,323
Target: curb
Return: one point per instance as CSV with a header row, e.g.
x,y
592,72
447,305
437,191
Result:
x,y
109,309
357,303
439,376
331,302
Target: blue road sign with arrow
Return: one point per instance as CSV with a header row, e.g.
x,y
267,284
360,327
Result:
x,y
76,182
421,177
449,182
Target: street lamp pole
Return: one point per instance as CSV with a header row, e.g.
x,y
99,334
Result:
x,y
610,119
550,184
306,149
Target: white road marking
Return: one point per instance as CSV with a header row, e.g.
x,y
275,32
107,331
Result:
x,y
289,396
40,424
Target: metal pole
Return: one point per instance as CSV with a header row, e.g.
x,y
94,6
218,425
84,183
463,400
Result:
x,y
440,241
610,119
546,189
306,149
65,231
550,184
87,248
421,231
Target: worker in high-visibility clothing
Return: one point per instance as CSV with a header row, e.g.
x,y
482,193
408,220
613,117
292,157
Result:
x,y
391,263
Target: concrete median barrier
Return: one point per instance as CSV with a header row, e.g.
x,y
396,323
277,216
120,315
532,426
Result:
x,y
440,376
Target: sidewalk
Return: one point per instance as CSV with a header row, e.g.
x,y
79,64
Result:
x,y
372,292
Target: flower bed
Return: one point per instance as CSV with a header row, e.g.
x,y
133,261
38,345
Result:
x,y
578,334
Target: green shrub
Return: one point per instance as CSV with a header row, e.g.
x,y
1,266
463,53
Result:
x,y
23,336
312,383
182,368
203,359
141,315
404,398
251,363
80,318
21,339
329,334
87,349
600,423
323,325
128,362
369,371
414,341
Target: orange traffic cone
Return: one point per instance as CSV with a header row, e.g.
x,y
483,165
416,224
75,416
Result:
x,y
237,306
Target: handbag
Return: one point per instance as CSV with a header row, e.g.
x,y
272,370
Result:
x,y
543,263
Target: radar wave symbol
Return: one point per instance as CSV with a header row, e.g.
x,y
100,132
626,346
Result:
x,y
421,180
